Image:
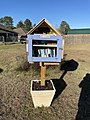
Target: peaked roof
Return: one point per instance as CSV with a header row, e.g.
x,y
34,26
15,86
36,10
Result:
x,y
41,23
20,31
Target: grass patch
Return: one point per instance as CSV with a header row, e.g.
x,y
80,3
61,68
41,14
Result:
x,y
15,99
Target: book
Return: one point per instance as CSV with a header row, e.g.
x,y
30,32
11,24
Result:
x,y
39,53
48,52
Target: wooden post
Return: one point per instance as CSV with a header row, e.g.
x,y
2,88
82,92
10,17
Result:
x,y
43,71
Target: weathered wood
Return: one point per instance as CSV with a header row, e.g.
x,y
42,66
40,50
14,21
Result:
x,y
62,48
31,62
43,71
49,63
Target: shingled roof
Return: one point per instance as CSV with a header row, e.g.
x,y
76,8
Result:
x,y
20,31
3,29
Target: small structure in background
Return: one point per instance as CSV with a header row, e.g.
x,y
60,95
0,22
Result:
x,y
21,35
7,35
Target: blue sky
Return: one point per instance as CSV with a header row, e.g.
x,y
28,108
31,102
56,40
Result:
x,y
75,12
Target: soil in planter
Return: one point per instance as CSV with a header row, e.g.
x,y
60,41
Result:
x,y
37,85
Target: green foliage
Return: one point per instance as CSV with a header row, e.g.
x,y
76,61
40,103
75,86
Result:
x,y
28,24
64,27
1,20
7,21
20,24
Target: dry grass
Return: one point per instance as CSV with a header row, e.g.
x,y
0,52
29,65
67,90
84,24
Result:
x,y
15,99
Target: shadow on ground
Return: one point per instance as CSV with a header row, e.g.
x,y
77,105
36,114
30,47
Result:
x,y
1,70
60,84
84,99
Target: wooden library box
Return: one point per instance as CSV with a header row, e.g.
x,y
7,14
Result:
x,y
44,48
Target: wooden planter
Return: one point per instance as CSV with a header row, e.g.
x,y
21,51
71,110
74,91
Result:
x,y
42,97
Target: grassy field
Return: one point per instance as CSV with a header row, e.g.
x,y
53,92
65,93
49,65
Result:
x,y
73,101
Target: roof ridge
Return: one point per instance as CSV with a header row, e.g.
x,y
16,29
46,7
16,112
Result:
x,y
40,23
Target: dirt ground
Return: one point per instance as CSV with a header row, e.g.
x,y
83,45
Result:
x,y
73,90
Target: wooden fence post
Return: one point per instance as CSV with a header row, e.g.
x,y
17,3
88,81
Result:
x,y
43,72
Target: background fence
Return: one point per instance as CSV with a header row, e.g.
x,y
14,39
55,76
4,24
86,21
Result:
x,y
77,39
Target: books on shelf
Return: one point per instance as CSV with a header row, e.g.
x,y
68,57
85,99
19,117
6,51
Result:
x,y
48,52
43,48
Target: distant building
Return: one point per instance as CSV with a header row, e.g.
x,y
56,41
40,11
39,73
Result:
x,y
21,33
7,35
79,31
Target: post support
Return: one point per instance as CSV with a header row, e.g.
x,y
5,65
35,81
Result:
x,y
43,72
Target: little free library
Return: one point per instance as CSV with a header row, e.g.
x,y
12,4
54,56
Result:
x,y
45,46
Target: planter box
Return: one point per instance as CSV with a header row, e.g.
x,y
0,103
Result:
x,y
42,97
